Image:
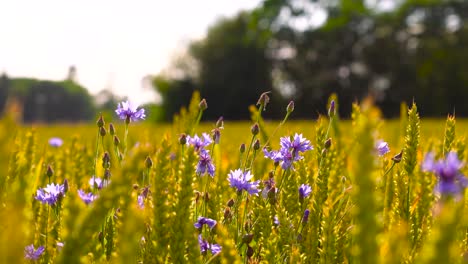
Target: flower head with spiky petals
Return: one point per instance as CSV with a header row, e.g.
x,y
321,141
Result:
x,y
451,180
50,194
129,112
33,254
241,181
96,182
290,150
205,165
87,197
204,221
205,246
382,147
304,191
199,143
55,142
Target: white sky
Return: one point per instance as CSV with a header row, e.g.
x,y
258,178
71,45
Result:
x,y
111,42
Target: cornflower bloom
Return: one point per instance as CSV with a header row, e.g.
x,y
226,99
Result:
x,y
98,182
241,181
50,194
304,191
199,143
33,254
289,151
55,142
205,246
87,197
451,180
204,221
382,147
205,165
127,111
142,197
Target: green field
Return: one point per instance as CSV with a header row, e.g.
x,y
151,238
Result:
x,y
364,208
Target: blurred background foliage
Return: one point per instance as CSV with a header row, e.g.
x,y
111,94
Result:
x,y
302,50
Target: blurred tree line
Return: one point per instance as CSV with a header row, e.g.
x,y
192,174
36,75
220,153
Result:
x,y
304,50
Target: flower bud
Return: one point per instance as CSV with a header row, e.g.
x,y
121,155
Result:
x,y
242,148
65,185
230,203
256,145
290,107
203,105
183,139
50,171
331,110
255,129
116,141
263,100
305,218
247,238
135,186
102,131
100,122
106,160
397,157
250,252
148,162
216,135
111,129
227,214
328,143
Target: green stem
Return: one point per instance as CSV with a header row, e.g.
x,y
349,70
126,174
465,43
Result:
x,y
96,153
125,138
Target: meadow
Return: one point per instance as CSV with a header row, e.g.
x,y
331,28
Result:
x,y
365,190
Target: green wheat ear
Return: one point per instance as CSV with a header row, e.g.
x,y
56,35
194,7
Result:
x,y
411,140
449,138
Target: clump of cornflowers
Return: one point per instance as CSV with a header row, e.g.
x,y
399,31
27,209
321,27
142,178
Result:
x,y
50,194
382,147
129,112
204,221
205,164
450,179
205,246
87,198
290,150
241,181
31,253
55,142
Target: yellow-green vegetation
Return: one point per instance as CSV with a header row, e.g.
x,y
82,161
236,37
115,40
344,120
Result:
x,y
160,195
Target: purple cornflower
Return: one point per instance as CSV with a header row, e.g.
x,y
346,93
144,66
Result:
x,y
96,182
55,142
205,246
382,147
304,191
205,165
204,221
199,143
268,185
50,194
142,197
127,111
241,181
87,197
276,220
33,254
451,180
290,150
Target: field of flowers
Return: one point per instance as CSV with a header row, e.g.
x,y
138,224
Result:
x,y
364,190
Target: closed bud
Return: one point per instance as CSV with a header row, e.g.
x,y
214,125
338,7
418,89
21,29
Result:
x,y
50,171
397,157
242,148
255,129
116,141
111,129
102,131
107,175
216,135
65,185
227,213
256,145
328,143
148,162
100,122
220,122
203,105
290,107
250,252
305,218
135,186
263,100
247,226
230,203
331,110
106,160
183,139
247,238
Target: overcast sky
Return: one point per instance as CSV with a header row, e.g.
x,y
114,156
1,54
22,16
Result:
x,y
111,42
